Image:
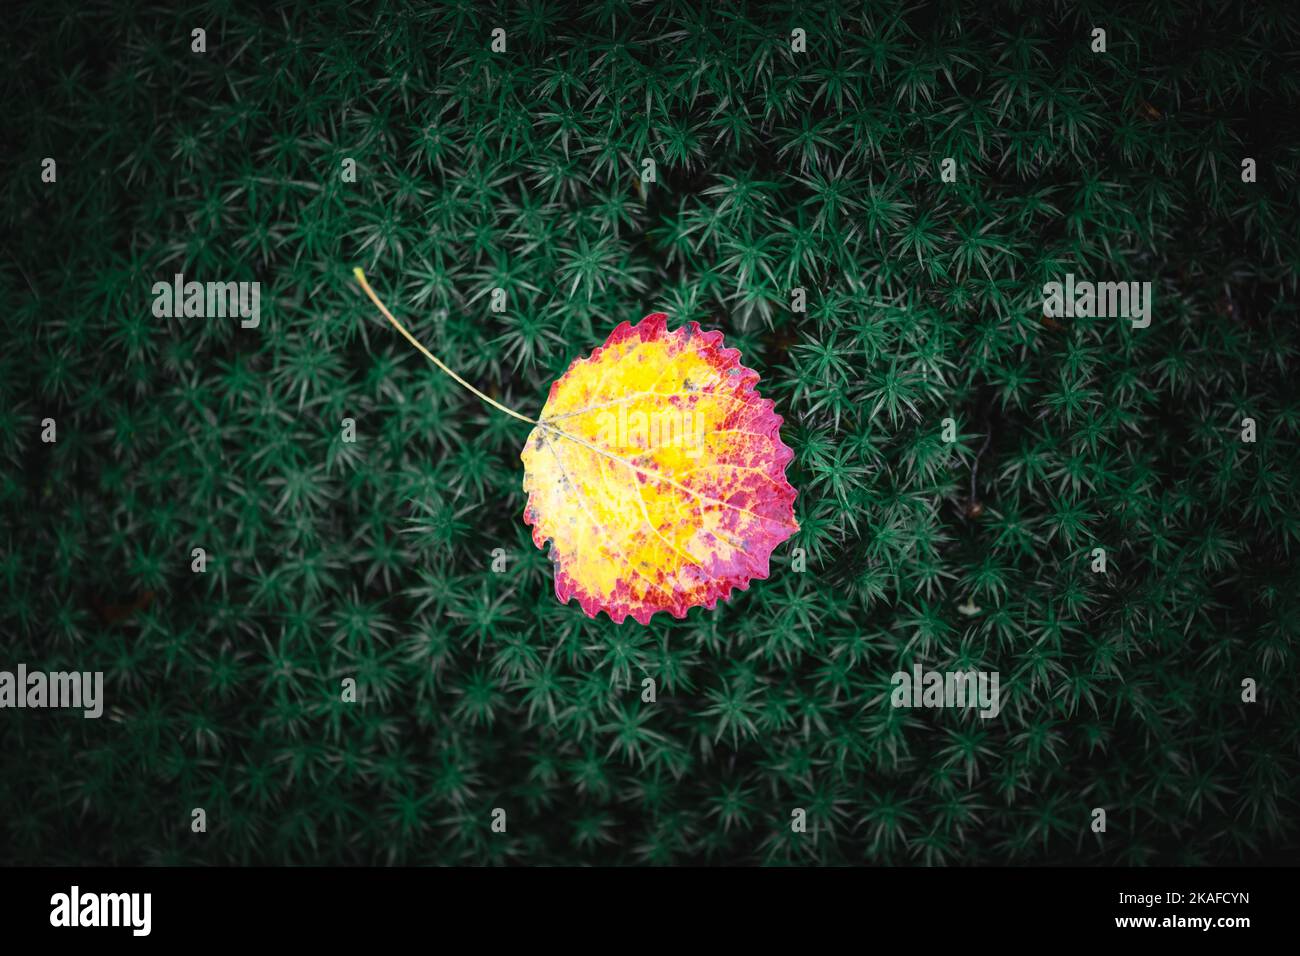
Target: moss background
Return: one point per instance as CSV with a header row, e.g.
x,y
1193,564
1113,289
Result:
x,y
775,170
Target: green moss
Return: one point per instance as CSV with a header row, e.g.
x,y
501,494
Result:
x,y
775,170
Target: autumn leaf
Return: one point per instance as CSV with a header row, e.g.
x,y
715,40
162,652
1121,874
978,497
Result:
x,y
656,472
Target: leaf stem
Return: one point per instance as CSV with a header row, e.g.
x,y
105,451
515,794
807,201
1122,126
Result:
x,y
365,286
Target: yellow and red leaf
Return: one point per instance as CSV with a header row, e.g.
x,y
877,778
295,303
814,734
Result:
x,y
657,473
